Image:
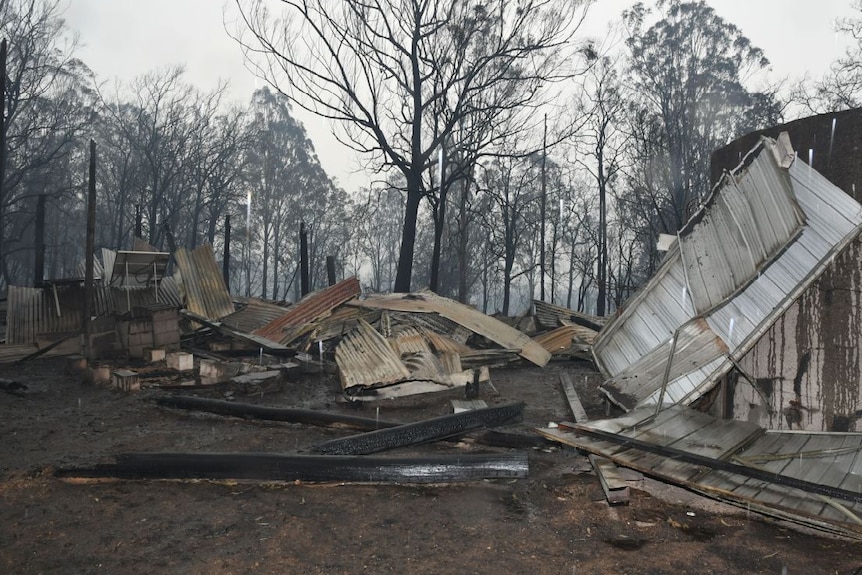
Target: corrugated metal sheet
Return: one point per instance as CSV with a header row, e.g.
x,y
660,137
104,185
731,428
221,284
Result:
x,y
202,284
255,313
126,299
830,460
651,317
48,313
366,359
486,326
407,340
746,221
313,306
560,340
696,347
550,316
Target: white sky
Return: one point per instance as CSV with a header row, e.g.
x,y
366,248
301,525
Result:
x,y
123,39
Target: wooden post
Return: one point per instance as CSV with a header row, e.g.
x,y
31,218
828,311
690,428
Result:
x,y
303,260
91,240
139,222
542,215
330,270
39,260
226,258
2,147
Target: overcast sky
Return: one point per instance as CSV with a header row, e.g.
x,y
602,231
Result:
x,y
122,39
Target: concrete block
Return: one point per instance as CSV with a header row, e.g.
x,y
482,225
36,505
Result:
x,y
76,364
126,380
154,354
213,371
102,375
181,361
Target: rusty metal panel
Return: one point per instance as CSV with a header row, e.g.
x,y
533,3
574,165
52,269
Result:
x,y
649,319
314,306
550,316
202,283
365,358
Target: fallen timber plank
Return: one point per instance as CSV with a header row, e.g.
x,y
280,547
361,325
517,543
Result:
x,y
289,415
615,487
422,431
287,467
718,464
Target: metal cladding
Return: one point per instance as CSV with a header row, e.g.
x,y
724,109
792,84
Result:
x,y
312,307
253,315
779,263
493,329
814,479
202,283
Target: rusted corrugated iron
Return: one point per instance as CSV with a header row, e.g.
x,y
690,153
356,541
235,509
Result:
x,y
560,340
255,313
312,307
365,358
202,283
444,344
408,339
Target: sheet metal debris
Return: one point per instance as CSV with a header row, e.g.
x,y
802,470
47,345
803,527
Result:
x,y
313,307
486,326
202,283
778,264
814,479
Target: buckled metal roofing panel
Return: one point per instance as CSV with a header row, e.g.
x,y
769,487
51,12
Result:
x,y
664,304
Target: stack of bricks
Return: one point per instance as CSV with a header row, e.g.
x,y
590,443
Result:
x,y
166,329
140,337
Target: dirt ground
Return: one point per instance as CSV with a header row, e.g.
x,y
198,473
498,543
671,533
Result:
x,y
554,522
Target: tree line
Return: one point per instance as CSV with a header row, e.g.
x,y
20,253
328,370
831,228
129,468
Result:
x,y
516,158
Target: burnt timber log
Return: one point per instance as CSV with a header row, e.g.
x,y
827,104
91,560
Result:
x,y
286,467
490,437
422,431
289,415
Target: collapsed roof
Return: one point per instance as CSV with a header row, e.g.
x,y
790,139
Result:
x,y
768,230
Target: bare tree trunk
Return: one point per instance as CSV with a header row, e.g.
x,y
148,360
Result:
x,y
463,241
408,237
91,238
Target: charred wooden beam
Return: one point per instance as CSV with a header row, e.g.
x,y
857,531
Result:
x,y
289,415
285,467
423,431
616,489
